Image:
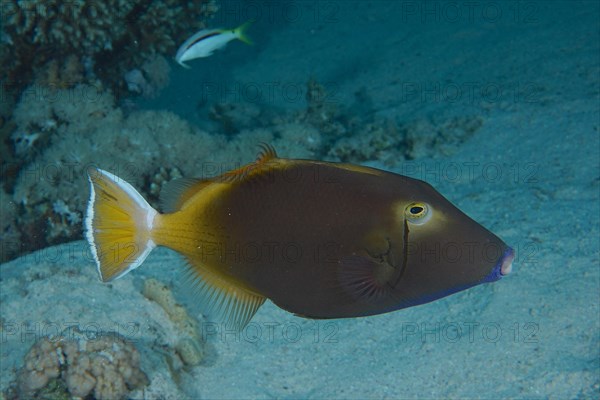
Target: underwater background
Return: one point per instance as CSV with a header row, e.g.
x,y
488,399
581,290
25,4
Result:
x,y
495,103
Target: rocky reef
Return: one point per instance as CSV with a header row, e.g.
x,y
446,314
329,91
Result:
x,y
62,44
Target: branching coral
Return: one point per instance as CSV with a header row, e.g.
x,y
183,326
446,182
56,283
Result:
x,y
95,39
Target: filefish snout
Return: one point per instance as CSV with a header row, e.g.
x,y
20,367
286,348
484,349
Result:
x,y
502,267
506,261
439,249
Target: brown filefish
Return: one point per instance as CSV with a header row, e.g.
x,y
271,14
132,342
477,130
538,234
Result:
x,y
319,239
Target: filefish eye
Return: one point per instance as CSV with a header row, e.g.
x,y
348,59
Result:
x,y
417,213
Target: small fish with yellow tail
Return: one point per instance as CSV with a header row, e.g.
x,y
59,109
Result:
x,y
205,42
319,239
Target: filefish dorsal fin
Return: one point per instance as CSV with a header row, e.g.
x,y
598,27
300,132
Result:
x,y
178,191
222,298
263,161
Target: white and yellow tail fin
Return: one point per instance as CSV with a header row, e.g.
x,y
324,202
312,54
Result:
x,y
118,225
122,229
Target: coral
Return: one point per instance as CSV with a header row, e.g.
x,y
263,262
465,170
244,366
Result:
x,y
9,233
61,74
7,104
62,222
81,363
56,389
150,79
234,117
10,163
156,69
390,143
95,39
296,140
322,111
53,110
157,182
345,136
319,107
24,142
41,364
189,345
242,148
136,82
426,138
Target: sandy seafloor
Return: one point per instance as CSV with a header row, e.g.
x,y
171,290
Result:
x,y
534,182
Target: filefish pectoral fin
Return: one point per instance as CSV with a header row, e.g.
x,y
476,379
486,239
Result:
x,y
366,278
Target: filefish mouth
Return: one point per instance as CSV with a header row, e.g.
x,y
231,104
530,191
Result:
x,y
503,267
506,262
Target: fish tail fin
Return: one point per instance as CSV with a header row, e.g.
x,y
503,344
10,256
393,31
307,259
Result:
x,y
118,225
240,32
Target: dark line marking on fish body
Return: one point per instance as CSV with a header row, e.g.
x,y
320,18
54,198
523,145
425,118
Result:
x,y
208,35
404,254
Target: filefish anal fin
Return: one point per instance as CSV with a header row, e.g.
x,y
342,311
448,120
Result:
x,y
226,300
